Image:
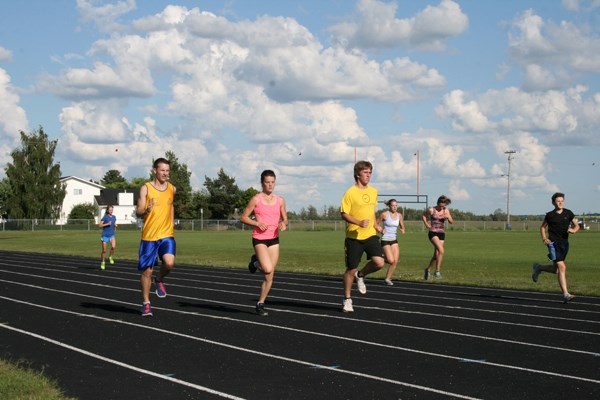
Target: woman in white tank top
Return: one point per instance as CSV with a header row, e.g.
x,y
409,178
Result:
x,y
390,221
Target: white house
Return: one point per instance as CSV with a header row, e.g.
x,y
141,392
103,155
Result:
x,y
123,202
79,191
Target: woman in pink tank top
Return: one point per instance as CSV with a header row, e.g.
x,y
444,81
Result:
x,y
270,217
435,219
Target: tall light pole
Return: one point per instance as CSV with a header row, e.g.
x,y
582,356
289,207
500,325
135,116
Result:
x,y
510,157
418,154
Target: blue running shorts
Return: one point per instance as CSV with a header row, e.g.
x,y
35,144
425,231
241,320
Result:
x,y
151,251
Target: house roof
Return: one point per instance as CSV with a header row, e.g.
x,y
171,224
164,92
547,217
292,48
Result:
x,y
111,196
66,178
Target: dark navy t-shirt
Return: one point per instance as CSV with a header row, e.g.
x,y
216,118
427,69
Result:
x,y
559,224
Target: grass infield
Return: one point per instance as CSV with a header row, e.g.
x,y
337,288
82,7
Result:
x,y
500,259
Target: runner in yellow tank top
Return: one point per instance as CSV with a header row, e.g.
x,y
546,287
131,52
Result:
x,y
155,206
158,224
358,210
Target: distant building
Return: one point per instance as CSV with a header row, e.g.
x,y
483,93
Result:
x,y
80,191
123,202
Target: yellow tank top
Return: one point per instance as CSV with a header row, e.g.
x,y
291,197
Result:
x,y
159,223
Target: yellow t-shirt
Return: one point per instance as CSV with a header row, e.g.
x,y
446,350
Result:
x,y
360,203
159,223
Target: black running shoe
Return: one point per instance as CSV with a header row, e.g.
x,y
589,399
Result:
x,y
251,266
260,310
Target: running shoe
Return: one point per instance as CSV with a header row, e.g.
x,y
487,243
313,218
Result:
x,y
252,266
426,274
111,260
360,283
102,265
161,290
260,309
388,282
437,275
146,310
535,272
567,298
348,305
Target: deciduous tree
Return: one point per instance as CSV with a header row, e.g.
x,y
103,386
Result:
x,y
83,211
180,178
114,180
34,179
225,196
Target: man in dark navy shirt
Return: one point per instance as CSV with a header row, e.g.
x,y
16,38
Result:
x,y
560,223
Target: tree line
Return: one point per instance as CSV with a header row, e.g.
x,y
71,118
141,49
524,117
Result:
x,y
32,190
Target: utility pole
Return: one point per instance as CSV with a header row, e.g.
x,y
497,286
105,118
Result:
x,y
510,157
418,154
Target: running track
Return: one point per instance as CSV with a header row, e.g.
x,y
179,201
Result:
x,y
410,341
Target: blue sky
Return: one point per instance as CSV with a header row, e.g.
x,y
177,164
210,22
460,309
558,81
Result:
x,y
305,87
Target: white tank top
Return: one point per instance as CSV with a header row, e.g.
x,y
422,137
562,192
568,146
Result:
x,y
390,227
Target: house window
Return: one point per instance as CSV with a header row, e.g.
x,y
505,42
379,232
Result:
x,y
77,192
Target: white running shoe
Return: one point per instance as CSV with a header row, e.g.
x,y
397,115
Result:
x,y
388,282
348,305
360,283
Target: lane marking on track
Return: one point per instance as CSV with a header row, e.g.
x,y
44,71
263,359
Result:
x,y
344,318
121,364
212,342
431,354
437,304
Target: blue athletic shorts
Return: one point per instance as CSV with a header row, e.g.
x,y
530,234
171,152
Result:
x,y
561,249
106,239
151,251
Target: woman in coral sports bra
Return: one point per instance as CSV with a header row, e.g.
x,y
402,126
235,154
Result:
x,y
270,217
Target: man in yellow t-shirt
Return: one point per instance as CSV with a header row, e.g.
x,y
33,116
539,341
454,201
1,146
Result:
x,y
358,210
155,206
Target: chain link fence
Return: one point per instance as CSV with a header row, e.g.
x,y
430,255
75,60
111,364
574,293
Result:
x,y
234,224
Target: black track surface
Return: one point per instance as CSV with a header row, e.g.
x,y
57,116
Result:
x,y
82,327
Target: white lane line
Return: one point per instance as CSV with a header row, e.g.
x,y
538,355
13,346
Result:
x,y
211,342
436,304
121,364
460,359
344,318
482,320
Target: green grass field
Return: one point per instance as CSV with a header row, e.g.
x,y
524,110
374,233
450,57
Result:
x,y
499,259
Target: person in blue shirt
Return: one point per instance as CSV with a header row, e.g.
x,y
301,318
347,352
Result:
x,y
108,223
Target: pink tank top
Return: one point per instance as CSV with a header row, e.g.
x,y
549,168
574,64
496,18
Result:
x,y
437,218
269,214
